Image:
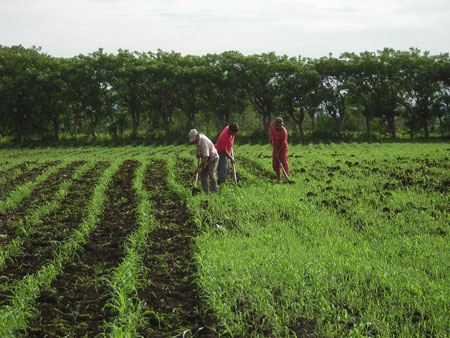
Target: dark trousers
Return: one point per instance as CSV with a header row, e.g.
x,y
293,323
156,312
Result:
x,y
223,167
209,172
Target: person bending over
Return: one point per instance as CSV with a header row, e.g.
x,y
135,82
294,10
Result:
x,y
224,146
209,160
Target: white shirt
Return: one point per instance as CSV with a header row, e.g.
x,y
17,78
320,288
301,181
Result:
x,y
205,148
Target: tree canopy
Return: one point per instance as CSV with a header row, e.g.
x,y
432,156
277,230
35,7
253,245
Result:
x,y
162,95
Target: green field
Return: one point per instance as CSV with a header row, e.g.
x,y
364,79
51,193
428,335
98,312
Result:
x,y
100,241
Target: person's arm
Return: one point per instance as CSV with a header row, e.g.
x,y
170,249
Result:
x,y
227,154
202,164
229,149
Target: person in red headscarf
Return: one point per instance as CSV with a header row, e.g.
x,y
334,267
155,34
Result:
x,y
279,139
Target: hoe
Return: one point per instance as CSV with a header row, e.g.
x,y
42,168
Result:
x,y
285,173
196,190
234,167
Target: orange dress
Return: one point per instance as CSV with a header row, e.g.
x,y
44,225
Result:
x,y
279,140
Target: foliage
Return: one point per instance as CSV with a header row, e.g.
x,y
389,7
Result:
x,y
160,96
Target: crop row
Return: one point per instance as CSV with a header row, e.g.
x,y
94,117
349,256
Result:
x,y
80,255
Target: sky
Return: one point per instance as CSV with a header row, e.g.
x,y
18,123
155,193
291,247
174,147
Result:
x,y
306,28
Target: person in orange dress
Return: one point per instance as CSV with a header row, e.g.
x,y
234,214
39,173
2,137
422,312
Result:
x,y
279,140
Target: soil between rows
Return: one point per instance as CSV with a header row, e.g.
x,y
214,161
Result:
x,y
25,176
43,193
38,249
21,167
172,294
75,304
256,170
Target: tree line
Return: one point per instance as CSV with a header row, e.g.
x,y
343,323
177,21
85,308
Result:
x,y
164,94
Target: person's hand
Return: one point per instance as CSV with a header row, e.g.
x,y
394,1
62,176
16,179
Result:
x,y
197,171
232,161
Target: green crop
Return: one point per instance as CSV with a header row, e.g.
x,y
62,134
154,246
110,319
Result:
x,y
358,246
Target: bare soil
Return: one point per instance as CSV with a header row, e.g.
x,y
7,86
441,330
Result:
x,y
75,304
172,294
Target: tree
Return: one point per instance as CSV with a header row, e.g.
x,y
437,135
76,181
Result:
x,y
334,74
258,75
128,81
421,74
224,94
20,71
191,79
162,73
54,100
363,84
299,87
91,82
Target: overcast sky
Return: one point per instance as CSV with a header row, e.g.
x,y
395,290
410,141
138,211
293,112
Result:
x,y
309,28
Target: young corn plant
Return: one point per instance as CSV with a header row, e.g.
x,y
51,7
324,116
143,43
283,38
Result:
x,y
25,190
125,279
15,315
34,216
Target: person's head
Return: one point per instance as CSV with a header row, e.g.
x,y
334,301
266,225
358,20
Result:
x,y
192,135
233,128
278,122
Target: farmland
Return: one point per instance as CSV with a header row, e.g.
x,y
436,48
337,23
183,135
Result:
x,y
110,241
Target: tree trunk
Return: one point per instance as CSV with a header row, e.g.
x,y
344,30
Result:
x,y
391,125
368,129
135,117
79,126
300,120
266,114
311,116
339,126
56,128
168,121
441,129
114,131
93,132
19,126
243,119
75,127
425,128
265,121
136,123
191,120
338,117
93,126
